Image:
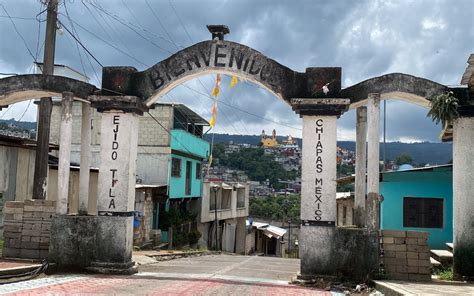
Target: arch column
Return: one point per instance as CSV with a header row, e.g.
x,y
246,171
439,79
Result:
x,y
360,167
463,193
117,179
373,161
318,252
65,136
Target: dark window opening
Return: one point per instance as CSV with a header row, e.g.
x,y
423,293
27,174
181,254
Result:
x,y
189,166
198,170
175,167
423,212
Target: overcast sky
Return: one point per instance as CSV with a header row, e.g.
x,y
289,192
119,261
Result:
x,y
430,39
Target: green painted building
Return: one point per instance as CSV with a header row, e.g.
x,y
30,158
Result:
x,y
419,199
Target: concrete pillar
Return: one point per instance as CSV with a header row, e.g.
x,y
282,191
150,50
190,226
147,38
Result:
x,y
85,159
373,155
65,135
360,167
118,155
318,237
318,194
463,201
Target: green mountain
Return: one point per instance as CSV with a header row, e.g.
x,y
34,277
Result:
x,y
422,153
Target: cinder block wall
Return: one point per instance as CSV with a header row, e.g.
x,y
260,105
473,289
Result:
x,y
27,226
406,255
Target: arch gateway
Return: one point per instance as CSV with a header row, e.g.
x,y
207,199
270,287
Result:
x,y
104,241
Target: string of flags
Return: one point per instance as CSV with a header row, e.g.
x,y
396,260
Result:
x,y
215,93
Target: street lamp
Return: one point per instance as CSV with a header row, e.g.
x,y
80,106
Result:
x,y
215,188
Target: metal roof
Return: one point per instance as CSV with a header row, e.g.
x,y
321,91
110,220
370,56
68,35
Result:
x,y
187,112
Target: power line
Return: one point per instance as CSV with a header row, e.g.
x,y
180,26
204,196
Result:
x,y
131,27
80,43
109,44
200,82
183,85
18,32
18,17
171,135
24,112
244,111
76,43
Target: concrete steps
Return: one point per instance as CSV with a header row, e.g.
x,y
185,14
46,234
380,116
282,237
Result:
x,y
450,247
443,256
434,262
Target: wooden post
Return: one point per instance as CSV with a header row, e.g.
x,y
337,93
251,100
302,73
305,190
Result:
x,y
45,106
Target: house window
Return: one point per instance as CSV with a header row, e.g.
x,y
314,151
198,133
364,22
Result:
x,y
423,212
198,170
175,167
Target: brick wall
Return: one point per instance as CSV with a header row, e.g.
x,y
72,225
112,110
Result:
x,y
406,255
27,227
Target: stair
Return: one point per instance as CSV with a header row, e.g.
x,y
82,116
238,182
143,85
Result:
x,y
450,247
443,256
434,263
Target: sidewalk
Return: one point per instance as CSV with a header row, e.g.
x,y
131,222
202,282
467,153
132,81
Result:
x,y
435,287
13,266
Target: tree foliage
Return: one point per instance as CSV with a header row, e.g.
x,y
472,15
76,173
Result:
x,y
404,158
256,164
276,208
444,108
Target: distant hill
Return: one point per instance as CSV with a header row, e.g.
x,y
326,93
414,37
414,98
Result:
x,y
21,124
425,152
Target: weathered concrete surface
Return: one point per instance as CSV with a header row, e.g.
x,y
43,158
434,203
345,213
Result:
x,y
64,164
403,86
78,242
463,201
360,166
373,153
24,87
220,56
85,159
347,252
118,155
318,175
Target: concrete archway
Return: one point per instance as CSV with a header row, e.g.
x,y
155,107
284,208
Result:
x,y
19,88
225,57
399,86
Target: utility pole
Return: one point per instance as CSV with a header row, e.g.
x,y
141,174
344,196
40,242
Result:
x,y
45,106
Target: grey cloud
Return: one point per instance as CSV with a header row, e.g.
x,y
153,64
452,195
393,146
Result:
x,y
431,39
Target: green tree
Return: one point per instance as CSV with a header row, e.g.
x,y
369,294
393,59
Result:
x,y
404,159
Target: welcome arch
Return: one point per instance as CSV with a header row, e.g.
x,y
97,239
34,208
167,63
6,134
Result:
x,y
126,92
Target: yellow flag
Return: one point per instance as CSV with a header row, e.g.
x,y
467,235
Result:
x,y
215,91
212,122
210,159
233,81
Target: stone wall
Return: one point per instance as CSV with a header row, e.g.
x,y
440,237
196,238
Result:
x,y
27,227
406,255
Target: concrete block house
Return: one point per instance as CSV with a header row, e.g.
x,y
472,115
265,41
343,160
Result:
x,y
413,199
170,158
419,199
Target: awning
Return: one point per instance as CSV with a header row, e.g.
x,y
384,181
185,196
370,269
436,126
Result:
x,y
226,186
269,230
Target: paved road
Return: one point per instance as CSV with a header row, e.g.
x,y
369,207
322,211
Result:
x,y
206,275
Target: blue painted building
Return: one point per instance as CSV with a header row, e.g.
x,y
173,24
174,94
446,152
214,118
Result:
x,y
419,199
